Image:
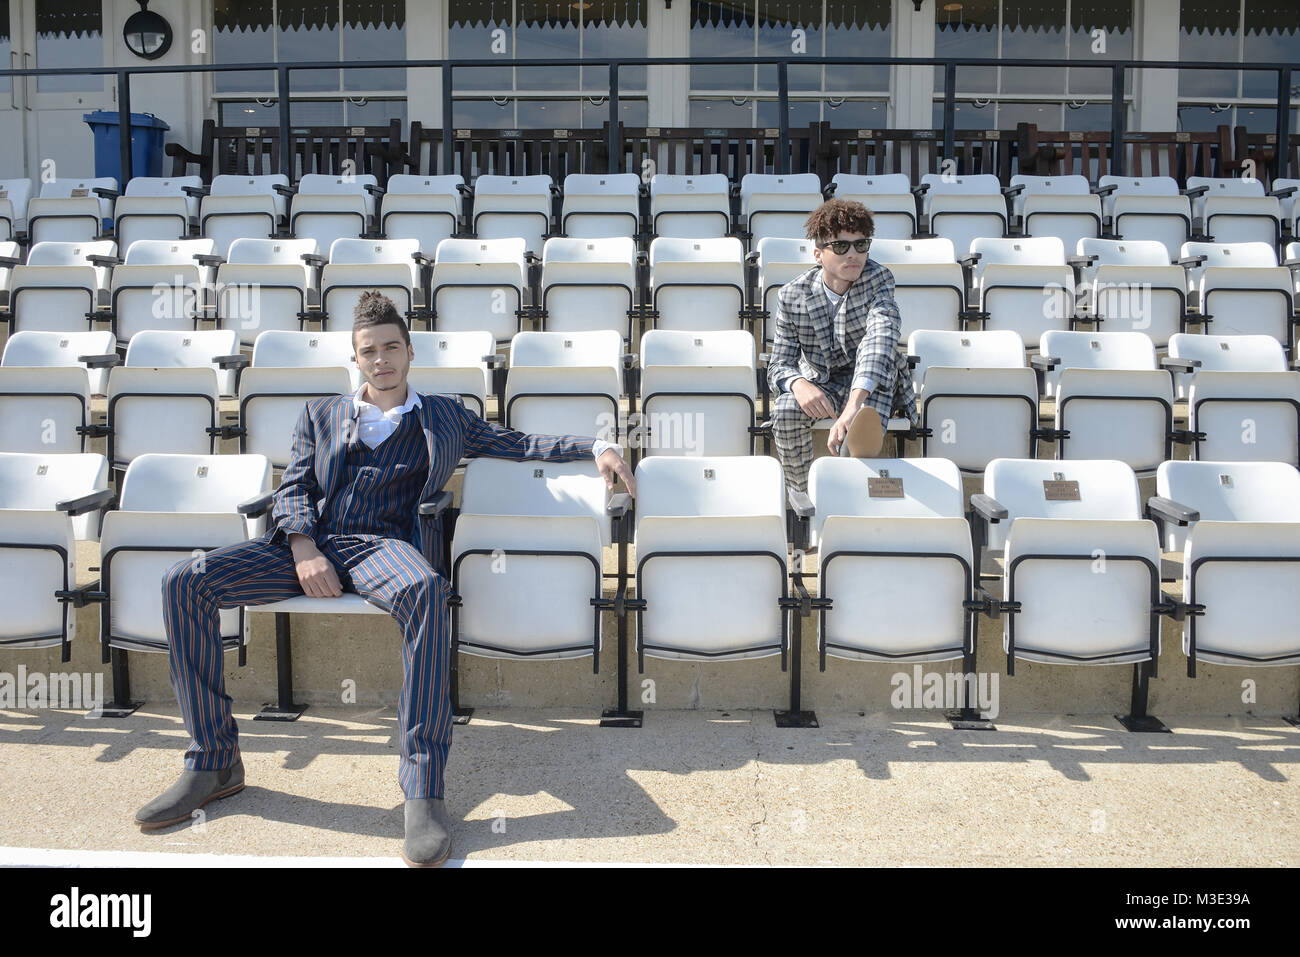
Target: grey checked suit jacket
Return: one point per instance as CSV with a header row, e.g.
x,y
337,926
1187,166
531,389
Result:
x,y
860,336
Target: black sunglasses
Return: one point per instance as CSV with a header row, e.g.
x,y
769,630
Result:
x,y
840,246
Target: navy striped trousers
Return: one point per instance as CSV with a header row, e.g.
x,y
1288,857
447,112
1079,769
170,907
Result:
x,y
389,572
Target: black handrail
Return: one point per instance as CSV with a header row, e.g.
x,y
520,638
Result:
x,y
1118,69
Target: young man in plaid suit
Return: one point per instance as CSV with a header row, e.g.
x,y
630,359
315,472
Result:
x,y
345,517
836,349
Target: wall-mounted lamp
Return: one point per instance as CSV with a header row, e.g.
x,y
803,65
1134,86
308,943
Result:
x,y
147,34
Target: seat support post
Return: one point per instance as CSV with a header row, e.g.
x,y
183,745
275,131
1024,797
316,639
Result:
x,y
284,709
122,705
1137,718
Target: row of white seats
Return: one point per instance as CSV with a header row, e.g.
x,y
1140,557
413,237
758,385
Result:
x,y
899,561
1027,285
428,208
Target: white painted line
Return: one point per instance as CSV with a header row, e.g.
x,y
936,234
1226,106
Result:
x,y
51,857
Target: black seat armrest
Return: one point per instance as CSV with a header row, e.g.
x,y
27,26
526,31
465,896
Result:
x,y
440,503
86,503
255,506
1167,509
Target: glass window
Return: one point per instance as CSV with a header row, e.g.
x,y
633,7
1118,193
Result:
x,y
243,34
1209,32
1033,29
1101,29
722,113
374,31
779,23
722,28
6,44
69,33
545,29
857,28
614,28
1272,36
308,30
967,29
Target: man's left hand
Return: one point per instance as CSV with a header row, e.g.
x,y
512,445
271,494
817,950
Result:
x,y
612,468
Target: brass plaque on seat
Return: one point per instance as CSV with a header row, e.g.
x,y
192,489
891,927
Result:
x,y
1060,490
885,487
80,193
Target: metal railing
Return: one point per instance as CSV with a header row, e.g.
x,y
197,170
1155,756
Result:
x,y
1119,71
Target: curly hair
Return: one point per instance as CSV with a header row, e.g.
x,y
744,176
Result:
x,y
837,216
376,309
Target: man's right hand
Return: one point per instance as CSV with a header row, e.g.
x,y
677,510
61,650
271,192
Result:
x,y
316,573
812,400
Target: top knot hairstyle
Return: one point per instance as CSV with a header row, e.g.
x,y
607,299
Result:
x,y
837,216
376,309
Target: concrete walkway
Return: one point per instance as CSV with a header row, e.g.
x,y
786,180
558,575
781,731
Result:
x,y
690,787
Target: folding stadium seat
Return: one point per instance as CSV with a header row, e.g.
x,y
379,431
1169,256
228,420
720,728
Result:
x,y
1292,262
1059,350
1288,192
1190,492
70,210
288,369
589,284
11,254
267,284
964,208
1234,210
394,267
14,194
690,207
1190,354
1244,416
161,285
1112,402
61,286
454,363
697,393
889,197
929,285
243,207
977,399
1240,289
1081,568
565,383
1132,286
424,208
697,284
508,207
711,558
1237,525
529,535
894,565
172,507
1146,207
166,397
480,284
601,206
48,502
777,261
1023,285
156,207
1060,206
326,208
777,205
47,380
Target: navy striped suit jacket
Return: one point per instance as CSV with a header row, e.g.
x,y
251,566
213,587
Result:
x,y
328,425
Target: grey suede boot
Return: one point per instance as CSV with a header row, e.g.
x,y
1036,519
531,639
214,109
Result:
x,y
192,790
428,833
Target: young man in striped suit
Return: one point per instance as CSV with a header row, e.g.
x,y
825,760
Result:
x,y
345,516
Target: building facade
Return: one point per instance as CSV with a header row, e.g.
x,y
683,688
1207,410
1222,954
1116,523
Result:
x,y
41,117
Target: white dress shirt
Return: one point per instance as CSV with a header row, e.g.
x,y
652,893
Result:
x,y
374,425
